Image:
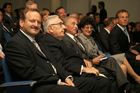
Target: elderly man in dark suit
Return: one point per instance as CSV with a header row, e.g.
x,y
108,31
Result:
x,y
77,45
29,61
54,33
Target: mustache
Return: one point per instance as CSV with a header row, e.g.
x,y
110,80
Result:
x,y
35,27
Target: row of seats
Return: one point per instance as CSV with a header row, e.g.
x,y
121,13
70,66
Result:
x,y
14,86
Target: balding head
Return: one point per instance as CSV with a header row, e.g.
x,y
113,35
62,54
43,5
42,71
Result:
x,y
71,25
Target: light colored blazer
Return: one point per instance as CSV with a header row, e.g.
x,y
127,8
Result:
x,y
90,45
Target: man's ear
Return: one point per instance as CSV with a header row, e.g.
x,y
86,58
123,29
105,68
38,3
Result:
x,y
21,23
50,29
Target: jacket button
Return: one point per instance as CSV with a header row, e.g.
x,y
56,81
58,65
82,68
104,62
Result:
x,y
53,74
48,62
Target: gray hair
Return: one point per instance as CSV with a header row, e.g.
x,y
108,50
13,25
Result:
x,y
49,22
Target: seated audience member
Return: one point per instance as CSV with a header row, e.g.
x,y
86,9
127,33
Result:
x,y
5,34
76,15
119,37
99,27
2,55
75,44
134,57
61,12
136,33
9,19
31,4
45,13
28,61
136,49
52,39
104,34
87,25
131,30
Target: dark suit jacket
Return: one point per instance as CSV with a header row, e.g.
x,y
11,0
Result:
x,y
1,34
118,40
77,48
107,66
27,63
105,40
11,23
5,35
63,54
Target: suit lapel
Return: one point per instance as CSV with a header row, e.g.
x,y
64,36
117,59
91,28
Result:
x,y
31,45
38,52
75,44
81,47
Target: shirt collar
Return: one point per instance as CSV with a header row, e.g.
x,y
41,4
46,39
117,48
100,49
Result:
x,y
8,15
28,36
122,28
107,30
70,35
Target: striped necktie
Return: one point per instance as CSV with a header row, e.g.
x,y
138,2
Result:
x,y
79,43
126,33
37,46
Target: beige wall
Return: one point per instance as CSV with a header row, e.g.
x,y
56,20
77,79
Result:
x,y
113,6
82,6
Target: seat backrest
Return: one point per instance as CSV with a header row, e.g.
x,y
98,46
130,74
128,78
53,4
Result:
x,y
7,76
14,86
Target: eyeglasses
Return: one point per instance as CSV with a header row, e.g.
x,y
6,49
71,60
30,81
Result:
x,y
59,24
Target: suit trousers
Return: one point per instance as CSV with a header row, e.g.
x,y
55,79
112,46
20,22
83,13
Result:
x,y
89,84
54,89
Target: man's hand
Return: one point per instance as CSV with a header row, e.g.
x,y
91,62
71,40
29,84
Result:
x,y
69,82
63,83
2,55
138,57
97,59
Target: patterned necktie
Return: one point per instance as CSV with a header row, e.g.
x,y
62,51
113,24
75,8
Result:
x,y
37,46
126,33
79,43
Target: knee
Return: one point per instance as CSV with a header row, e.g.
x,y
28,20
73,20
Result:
x,y
124,68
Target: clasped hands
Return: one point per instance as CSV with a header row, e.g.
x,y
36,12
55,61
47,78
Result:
x,y
89,65
88,69
67,82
